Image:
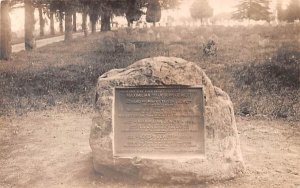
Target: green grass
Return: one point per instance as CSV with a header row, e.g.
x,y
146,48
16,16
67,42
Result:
x,y
257,66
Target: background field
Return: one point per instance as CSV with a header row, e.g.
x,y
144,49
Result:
x,y
257,66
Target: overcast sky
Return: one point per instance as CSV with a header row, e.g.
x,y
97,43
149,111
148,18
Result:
x,y
221,6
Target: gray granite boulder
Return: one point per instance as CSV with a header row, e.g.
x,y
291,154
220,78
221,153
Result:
x,y
223,159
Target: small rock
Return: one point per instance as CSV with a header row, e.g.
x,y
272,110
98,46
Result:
x,y
129,48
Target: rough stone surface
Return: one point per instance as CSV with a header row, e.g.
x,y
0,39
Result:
x,y
223,158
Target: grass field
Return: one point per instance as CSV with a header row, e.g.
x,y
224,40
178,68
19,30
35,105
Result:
x,y
258,66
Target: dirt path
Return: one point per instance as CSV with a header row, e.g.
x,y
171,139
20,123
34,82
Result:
x,y
44,42
51,149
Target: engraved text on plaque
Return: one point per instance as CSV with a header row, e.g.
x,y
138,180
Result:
x,y
158,121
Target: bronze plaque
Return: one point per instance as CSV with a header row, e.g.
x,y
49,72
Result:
x,y
157,121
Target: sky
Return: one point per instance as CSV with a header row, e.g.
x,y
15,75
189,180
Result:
x,y
219,6
223,6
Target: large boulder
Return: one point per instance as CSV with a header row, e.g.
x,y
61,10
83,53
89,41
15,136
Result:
x,y
223,158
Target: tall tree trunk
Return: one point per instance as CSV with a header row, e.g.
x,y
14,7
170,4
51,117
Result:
x,y
84,21
74,22
61,18
93,23
68,25
52,30
93,20
5,31
105,21
29,25
42,22
129,24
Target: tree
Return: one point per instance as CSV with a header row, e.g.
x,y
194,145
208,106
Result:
x,y
29,25
253,9
279,11
133,12
74,22
84,20
93,13
61,17
293,11
105,9
5,31
134,9
51,17
42,20
68,24
200,10
105,19
65,8
153,13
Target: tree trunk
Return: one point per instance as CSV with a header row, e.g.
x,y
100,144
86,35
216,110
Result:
x,y
29,25
105,21
93,27
93,20
74,22
61,18
5,31
84,21
42,22
128,23
68,25
52,30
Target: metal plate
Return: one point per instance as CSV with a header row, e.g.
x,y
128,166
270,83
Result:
x,y
156,121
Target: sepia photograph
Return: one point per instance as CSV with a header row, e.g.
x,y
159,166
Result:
x,y
150,93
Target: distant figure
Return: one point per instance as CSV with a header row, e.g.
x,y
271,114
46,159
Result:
x,y
210,49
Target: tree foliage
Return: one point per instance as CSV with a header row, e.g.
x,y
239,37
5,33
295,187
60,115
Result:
x,y
279,11
133,12
132,9
253,10
201,9
293,11
153,13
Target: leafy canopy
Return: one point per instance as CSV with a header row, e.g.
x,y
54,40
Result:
x,y
201,9
253,10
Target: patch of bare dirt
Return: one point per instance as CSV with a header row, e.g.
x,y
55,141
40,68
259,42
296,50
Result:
x,y
51,149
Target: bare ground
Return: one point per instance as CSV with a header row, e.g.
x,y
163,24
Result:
x,y
50,149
